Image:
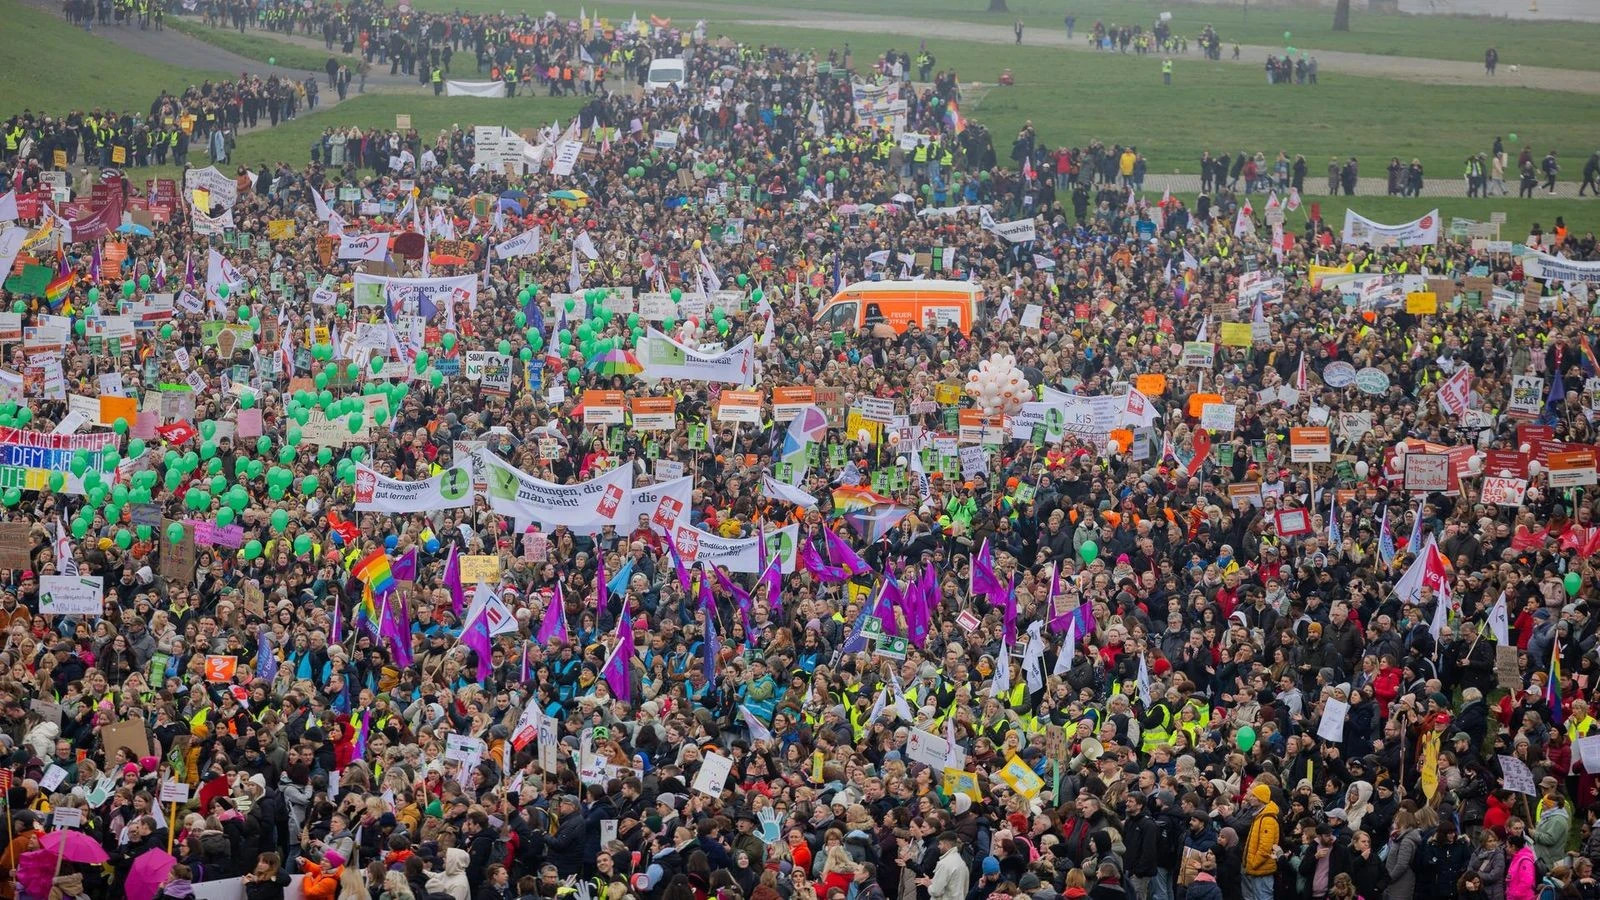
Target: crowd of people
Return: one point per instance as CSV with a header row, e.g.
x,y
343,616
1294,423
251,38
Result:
x,y
1165,639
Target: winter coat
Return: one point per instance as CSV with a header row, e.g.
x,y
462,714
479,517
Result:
x,y
1401,865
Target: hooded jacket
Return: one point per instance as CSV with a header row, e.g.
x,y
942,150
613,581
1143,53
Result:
x,y
1263,839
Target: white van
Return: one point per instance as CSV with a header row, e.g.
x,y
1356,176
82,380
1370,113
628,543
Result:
x,y
665,74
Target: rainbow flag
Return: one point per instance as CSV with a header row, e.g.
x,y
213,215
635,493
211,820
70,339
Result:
x,y
373,571
953,118
56,291
1552,690
1589,364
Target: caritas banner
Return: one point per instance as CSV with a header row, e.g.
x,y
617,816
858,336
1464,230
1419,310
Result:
x,y
663,357
585,507
1359,229
376,492
741,556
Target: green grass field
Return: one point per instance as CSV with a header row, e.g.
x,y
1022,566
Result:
x,y
47,65
259,46
1074,98
1567,45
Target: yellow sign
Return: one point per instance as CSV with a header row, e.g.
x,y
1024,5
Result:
x,y
1422,303
280,229
947,394
1430,764
402,121
59,157
854,424
119,155
1017,776
1317,272
1236,334
480,568
963,783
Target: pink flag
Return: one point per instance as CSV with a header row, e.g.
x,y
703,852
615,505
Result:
x,y
616,668
553,627
452,581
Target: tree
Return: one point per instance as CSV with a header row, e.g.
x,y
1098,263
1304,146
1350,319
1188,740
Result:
x,y
1341,16
998,6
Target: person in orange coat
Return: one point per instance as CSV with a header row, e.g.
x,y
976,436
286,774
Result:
x,y
322,879
25,839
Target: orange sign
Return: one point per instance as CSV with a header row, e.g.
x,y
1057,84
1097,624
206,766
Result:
x,y
1310,445
1150,385
221,668
788,401
114,408
655,413
1197,402
603,407
740,406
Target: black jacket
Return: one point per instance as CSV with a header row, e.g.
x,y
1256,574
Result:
x,y
1141,834
564,849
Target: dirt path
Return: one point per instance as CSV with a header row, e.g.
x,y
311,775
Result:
x,y
1402,68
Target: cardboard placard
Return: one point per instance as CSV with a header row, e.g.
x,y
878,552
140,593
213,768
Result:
x,y
130,734
14,545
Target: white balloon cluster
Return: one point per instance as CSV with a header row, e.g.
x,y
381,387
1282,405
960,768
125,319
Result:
x,y
998,386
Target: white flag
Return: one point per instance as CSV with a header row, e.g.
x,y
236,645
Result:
x,y
758,731
8,207
524,244
1500,621
585,245
1000,684
1069,647
1143,680
1033,658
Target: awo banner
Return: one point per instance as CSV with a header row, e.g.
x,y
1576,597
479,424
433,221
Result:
x,y
366,247
741,556
1359,229
376,492
585,507
663,357
415,296
524,244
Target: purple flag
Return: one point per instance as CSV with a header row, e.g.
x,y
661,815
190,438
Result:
x,y
812,562
359,749
452,581
984,580
740,597
771,573
916,606
842,554
336,628
600,598
888,595
525,674
405,568
398,621
616,670
266,662
476,637
553,627
711,648
677,561
1009,601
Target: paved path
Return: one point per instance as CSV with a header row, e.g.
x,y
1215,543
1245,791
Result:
x,y
1403,68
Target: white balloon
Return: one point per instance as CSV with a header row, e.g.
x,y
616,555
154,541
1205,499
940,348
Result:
x,y
1362,469
1401,448
1525,448
1505,473
1534,469
863,435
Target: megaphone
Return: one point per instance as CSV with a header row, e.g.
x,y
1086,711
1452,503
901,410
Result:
x,y
1088,751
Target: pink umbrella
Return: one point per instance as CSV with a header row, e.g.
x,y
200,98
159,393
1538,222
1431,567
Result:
x,y
73,846
149,871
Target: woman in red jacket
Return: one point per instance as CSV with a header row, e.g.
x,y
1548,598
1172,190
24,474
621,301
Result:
x,y
1386,686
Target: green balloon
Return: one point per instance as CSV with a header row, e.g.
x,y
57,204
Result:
x,y
449,341
573,376
1245,738
1573,582
302,544
128,287
136,448
80,528
504,347
436,378
309,484
295,436
12,496
224,517
57,481
280,520
252,549
1089,552
354,422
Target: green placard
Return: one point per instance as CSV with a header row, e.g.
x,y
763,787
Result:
x,y
1038,436
897,479
813,453
786,472
835,456
880,481
614,440
697,437
1225,455
1344,471
950,466
652,450
952,419
1025,492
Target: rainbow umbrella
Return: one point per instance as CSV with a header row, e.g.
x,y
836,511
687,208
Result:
x,y
616,361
